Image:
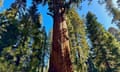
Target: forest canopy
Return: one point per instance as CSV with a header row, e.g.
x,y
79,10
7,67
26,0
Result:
x,y
75,43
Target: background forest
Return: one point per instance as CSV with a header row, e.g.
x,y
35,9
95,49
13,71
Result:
x,y
76,42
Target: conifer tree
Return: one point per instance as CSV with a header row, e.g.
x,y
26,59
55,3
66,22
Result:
x,y
8,31
29,51
105,48
78,42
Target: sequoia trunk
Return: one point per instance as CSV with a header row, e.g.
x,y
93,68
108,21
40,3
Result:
x,y
60,54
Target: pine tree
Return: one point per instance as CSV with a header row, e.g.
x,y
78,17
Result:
x,y
29,51
105,48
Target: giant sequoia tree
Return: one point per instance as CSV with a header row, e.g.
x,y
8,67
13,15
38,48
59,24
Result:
x,y
60,54
105,48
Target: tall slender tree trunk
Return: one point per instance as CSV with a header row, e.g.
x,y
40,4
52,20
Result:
x,y
60,54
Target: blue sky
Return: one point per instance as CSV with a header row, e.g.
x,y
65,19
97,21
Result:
x,y
47,21
100,12
6,4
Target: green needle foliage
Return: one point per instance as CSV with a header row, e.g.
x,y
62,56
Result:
x,y
78,43
8,32
105,49
29,50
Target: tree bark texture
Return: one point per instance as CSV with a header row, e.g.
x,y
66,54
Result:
x,y
60,55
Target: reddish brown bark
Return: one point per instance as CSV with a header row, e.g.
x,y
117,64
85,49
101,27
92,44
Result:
x,y
60,54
